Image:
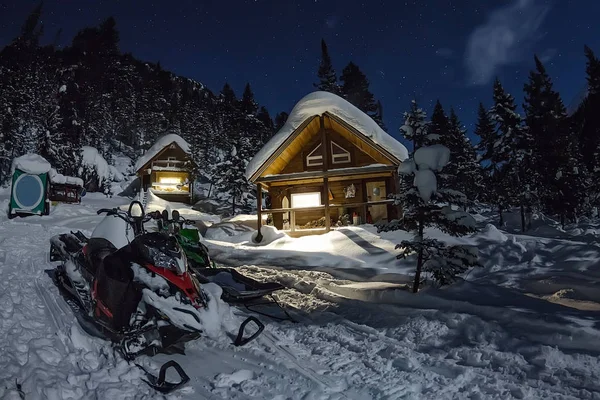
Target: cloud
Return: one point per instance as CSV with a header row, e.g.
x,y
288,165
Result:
x,y
548,55
444,52
508,33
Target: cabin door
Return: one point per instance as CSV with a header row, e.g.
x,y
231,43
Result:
x,y
376,192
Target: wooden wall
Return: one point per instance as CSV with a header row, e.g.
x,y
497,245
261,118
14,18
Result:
x,y
358,158
339,205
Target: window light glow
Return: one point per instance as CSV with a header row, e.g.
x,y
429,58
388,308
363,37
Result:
x,y
301,200
172,181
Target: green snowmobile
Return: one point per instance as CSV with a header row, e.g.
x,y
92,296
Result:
x,y
188,238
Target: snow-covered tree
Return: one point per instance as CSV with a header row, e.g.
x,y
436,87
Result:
x,y
512,152
426,205
232,180
463,173
415,127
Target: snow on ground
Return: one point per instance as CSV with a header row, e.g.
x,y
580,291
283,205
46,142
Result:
x,y
484,338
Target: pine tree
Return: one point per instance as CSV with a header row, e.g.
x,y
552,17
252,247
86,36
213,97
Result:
x,y
588,123
513,152
31,30
232,180
248,105
415,128
438,127
355,89
326,73
426,205
280,120
546,118
463,173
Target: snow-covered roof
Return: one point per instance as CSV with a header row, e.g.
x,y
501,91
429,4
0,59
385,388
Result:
x,y
160,144
55,177
32,164
317,103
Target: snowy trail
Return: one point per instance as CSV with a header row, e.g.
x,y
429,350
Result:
x,y
352,341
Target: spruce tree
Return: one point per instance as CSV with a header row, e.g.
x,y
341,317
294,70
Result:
x,y
355,89
248,105
463,172
513,153
280,120
438,127
426,205
326,73
589,117
415,128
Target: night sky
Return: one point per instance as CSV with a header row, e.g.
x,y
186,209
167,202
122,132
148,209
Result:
x,y
446,49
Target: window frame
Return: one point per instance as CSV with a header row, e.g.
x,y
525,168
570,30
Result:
x,y
317,194
346,155
314,161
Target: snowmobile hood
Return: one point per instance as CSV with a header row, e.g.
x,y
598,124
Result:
x,y
115,230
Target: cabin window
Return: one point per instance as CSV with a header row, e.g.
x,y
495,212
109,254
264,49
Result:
x,y
339,155
302,200
171,158
315,157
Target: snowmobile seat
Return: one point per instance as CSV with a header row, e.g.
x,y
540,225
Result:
x,y
96,250
115,288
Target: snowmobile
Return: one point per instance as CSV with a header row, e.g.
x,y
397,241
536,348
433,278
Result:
x,y
134,288
188,238
237,288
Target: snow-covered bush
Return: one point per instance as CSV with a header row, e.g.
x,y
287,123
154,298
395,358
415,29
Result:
x,y
95,171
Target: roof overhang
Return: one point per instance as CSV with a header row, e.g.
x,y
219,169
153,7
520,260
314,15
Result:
x,y
360,140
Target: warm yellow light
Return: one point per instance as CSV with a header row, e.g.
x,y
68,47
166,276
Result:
x,y
172,181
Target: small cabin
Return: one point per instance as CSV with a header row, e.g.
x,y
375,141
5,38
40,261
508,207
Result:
x,y
330,165
164,169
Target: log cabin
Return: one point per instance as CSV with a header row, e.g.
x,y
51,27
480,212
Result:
x,y
164,169
330,165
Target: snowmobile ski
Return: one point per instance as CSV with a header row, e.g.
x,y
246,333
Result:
x,y
159,383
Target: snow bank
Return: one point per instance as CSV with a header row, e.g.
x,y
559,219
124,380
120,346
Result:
x,y
55,177
31,163
159,145
270,234
318,103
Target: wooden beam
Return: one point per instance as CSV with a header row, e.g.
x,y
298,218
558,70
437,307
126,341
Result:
x,y
343,172
325,153
259,236
327,217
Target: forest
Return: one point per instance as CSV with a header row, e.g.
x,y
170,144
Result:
x,y
55,100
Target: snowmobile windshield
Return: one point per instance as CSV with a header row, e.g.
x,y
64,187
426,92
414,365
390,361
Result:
x,y
164,252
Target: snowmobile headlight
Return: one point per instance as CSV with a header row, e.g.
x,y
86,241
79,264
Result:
x,y
163,260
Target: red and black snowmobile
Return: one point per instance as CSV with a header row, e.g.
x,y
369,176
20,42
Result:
x,y
134,288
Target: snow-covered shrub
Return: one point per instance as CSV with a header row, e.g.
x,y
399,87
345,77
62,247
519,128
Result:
x,y
94,170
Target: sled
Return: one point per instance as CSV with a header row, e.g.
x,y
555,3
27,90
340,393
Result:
x,y
241,290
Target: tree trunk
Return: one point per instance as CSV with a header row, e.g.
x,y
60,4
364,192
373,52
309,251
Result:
x,y
233,206
420,257
501,222
523,228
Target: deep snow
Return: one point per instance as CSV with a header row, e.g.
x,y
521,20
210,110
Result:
x,y
491,336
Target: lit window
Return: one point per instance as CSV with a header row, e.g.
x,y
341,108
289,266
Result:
x,y
314,158
302,200
339,155
171,181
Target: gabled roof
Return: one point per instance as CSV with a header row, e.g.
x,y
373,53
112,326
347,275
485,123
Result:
x,y
161,144
321,103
